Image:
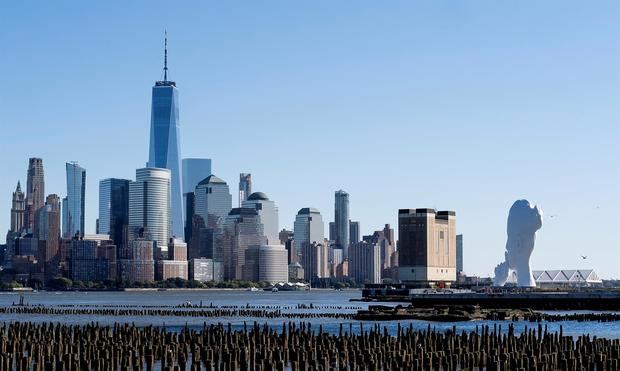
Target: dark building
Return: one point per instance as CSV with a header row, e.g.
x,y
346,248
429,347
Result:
x,y
35,191
459,253
114,210
354,232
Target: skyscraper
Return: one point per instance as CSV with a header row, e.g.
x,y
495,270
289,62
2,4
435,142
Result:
x,y
149,206
242,229
18,207
365,262
194,171
341,218
48,219
165,142
114,209
35,191
245,187
308,228
354,232
268,214
73,213
427,246
213,201
459,253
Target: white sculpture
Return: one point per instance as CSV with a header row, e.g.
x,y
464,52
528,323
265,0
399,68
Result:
x,y
523,222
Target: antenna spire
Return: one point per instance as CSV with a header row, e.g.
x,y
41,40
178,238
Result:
x,y
165,55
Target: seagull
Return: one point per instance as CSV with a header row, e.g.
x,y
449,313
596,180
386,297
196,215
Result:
x,y
584,257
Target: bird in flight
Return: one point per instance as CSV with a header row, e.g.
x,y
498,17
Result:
x,y
584,257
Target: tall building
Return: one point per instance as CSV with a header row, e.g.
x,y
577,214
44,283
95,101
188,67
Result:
x,y
427,246
194,171
245,187
114,209
48,233
242,229
354,232
315,261
332,231
149,206
268,214
308,228
73,213
92,259
213,201
176,265
365,262
35,191
165,142
459,253
18,208
341,220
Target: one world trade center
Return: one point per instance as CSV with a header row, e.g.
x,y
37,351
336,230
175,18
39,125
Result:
x,y
165,141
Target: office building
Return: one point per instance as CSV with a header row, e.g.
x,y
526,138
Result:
x,y
295,272
92,259
287,239
194,171
242,229
18,210
354,232
332,231
149,206
205,270
73,205
315,261
177,250
341,220
245,187
167,269
365,262
427,246
35,191
308,228
136,263
165,143
48,233
213,201
459,253
114,209
268,214
266,263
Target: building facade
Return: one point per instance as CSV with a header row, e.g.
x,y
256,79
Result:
x,y
341,221
194,171
267,263
35,191
365,262
149,206
308,228
136,263
427,246
242,229
114,209
213,201
73,215
354,232
459,253
268,214
245,187
315,261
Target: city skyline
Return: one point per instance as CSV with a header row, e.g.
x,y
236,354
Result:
x,y
549,169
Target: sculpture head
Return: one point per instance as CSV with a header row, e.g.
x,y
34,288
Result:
x,y
523,219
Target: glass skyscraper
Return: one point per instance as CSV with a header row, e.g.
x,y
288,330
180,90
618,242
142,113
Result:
x,y
73,206
308,228
341,218
194,171
114,209
268,215
165,143
149,206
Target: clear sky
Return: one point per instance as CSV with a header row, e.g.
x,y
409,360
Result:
x,y
466,106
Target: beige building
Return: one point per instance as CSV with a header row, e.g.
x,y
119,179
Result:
x,y
427,246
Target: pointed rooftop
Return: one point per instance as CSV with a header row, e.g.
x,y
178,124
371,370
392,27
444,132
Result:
x,y
19,187
211,179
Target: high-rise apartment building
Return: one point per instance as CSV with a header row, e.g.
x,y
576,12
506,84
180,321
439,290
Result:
x,y
459,253
245,187
365,262
165,142
341,220
149,206
354,232
93,258
73,205
427,246
114,209
136,263
268,214
308,228
35,191
242,229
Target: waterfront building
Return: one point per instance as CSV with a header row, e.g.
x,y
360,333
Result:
x,y
354,232
114,209
242,229
89,261
308,228
213,201
136,263
268,214
73,214
266,263
295,272
35,191
166,269
427,246
165,144
365,262
341,220
459,253
177,250
245,187
205,270
315,261
149,206
562,278
194,171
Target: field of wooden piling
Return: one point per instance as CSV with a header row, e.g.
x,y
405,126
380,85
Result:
x,y
28,346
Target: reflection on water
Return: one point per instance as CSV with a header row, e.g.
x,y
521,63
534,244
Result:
x,y
337,300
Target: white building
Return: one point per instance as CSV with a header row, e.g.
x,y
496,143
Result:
x,y
149,206
563,278
308,228
268,214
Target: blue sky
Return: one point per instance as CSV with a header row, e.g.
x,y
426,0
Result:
x,y
465,106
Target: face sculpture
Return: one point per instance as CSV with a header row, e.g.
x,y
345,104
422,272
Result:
x,y
523,222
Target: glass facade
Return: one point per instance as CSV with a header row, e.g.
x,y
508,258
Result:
x,y
308,228
341,218
268,214
114,209
212,201
165,146
149,206
242,229
73,213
